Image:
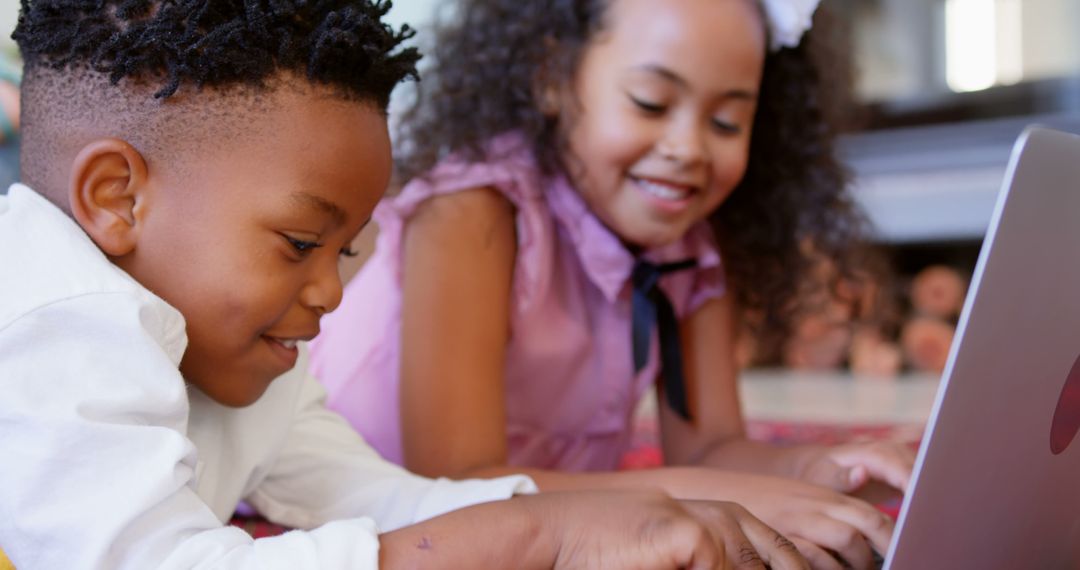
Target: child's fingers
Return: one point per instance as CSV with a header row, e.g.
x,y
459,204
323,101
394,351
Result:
x,y
891,463
868,524
746,542
835,535
857,477
828,473
696,548
733,547
771,547
819,559
893,466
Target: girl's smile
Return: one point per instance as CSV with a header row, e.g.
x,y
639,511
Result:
x,y
659,116
667,197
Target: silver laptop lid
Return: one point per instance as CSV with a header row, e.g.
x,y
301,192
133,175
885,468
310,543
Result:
x,y
997,485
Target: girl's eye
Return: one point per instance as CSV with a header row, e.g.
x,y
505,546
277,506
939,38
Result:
x,y
302,247
648,106
347,252
726,127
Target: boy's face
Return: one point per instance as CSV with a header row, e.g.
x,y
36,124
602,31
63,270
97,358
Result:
x,y
243,235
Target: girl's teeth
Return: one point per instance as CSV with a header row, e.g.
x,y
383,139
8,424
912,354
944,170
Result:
x,y
288,343
662,190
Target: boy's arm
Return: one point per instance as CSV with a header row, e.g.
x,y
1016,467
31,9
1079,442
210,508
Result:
x,y
324,471
96,469
592,530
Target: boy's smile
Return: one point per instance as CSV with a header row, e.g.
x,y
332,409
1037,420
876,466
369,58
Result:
x,y
243,233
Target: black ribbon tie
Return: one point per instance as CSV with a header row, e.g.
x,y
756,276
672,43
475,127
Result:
x,y
652,309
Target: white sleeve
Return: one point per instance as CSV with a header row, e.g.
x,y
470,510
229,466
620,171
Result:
x,y
325,471
95,469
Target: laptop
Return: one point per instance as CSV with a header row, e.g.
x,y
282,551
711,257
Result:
x,y
997,479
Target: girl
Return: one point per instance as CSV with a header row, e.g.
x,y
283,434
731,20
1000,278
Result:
x,y
588,215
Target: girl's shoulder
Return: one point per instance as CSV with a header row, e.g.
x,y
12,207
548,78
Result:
x,y
509,170
507,166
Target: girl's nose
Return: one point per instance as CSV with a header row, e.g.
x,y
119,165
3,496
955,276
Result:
x,y
683,144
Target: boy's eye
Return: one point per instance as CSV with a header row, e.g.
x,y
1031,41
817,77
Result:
x,y
648,106
303,247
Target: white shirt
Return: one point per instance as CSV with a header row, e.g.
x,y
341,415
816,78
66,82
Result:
x,y
109,460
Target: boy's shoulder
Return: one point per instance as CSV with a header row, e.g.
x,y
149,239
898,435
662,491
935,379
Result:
x,y
48,260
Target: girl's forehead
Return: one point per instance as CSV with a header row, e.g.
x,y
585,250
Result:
x,y
694,35
643,18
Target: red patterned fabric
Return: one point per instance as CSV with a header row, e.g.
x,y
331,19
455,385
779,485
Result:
x,y
257,527
645,452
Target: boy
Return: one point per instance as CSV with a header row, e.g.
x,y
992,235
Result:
x,y
193,170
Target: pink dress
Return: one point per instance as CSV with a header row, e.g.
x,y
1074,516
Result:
x,y
571,389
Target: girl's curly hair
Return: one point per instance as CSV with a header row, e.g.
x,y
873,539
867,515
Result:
x,y
220,43
790,209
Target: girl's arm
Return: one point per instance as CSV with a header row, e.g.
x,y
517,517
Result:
x,y
458,268
458,265
717,436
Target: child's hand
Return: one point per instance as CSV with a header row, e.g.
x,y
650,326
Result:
x,y
825,525
848,468
651,530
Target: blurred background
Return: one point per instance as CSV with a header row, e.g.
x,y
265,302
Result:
x,y
941,89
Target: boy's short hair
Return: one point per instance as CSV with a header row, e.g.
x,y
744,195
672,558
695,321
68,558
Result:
x,y
158,52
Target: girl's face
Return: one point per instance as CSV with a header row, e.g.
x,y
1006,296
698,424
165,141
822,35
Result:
x,y
664,100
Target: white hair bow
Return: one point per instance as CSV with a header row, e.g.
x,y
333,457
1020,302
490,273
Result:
x,y
788,21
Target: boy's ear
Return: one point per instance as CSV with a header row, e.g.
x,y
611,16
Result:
x,y
107,194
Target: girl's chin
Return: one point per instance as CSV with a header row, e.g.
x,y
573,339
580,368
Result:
x,y
640,230
651,239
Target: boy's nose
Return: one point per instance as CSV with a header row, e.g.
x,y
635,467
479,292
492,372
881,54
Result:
x,y
323,292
